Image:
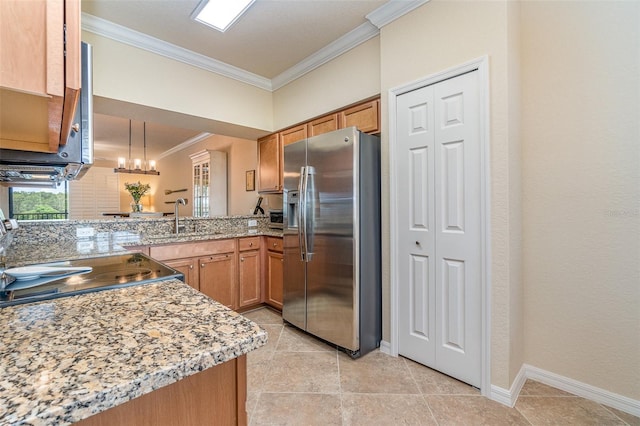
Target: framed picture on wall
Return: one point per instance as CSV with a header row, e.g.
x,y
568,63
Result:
x,y
251,180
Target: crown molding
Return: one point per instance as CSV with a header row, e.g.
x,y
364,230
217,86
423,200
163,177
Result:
x,y
116,32
334,49
392,10
380,17
185,144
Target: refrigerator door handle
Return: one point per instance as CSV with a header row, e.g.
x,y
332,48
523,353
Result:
x,y
310,203
302,240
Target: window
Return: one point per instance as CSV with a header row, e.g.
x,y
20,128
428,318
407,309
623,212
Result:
x,y
39,203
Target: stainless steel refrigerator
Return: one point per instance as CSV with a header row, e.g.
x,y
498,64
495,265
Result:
x,y
332,265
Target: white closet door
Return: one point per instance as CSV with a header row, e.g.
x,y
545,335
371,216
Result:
x,y
416,198
440,247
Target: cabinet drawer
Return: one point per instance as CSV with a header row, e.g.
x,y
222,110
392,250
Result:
x,y
274,244
203,248
251,243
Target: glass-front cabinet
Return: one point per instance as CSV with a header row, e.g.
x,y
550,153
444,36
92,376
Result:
x,y
209,183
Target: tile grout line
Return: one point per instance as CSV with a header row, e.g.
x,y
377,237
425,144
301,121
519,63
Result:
x,y
433,416
342,419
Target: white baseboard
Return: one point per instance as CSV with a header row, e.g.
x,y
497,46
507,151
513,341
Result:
x,y
602,396
385,347
510,396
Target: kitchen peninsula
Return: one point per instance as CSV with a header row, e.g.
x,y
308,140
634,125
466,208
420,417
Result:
x,y
162,351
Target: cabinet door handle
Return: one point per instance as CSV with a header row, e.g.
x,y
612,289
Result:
x,y
190,266
202,265
250,244
275,244
242,259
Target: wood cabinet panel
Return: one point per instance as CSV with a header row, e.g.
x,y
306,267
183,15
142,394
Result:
x,y
218,278
180,251
366,117
274,244
294,134
38,79
249,283
270,164
249,243
189,268
216,393
274,283
325,124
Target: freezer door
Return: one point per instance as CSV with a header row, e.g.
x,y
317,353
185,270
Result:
x,y
294,273
332,301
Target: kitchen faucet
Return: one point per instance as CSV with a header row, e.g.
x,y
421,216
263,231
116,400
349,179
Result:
x,y
179,201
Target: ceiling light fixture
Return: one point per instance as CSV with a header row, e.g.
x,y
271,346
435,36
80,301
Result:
x,y
220,14
139,166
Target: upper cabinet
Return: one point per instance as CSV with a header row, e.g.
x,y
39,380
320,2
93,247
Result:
x,y
39,72
325,124
270,164
365,116
293,134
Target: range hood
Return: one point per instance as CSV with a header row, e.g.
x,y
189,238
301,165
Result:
x,y
26,168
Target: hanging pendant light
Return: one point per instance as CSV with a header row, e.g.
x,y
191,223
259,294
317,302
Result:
x,y
139,166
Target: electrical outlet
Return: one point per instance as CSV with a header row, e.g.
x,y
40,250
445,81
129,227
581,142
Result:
x,y
84,232
253,222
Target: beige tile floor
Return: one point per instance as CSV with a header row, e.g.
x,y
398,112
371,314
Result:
x,y
297,380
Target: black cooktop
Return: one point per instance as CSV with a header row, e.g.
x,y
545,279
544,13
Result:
x,y
107,272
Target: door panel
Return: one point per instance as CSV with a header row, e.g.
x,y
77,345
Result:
x,y
294,289
218,278
415,213
439,250
458,228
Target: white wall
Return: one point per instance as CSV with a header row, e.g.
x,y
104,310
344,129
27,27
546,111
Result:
x,y
434,37
129,74
353,76
175,173
581,134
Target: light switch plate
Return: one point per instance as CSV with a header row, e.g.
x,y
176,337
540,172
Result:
x,y
253,222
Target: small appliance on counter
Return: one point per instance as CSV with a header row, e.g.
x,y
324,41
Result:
x,y
276,219
35,283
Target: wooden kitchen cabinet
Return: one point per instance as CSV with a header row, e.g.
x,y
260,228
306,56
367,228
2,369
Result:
x,y
39,73
249,271
325,124
270,164
188,268
366,117
294,134
274,273
208,266
218,278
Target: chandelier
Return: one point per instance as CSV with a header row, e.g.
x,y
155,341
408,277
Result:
x,y
137,166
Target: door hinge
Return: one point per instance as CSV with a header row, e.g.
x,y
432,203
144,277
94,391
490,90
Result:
x,y
64,40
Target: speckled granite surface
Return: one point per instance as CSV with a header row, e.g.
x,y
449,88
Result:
x,y
67,359
48,241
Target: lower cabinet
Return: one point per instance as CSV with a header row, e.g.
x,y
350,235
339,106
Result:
x,y
218,278
249,272
274,273
228,271
188,268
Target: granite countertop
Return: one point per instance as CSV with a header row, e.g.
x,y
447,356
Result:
x,y
66,359
104,244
